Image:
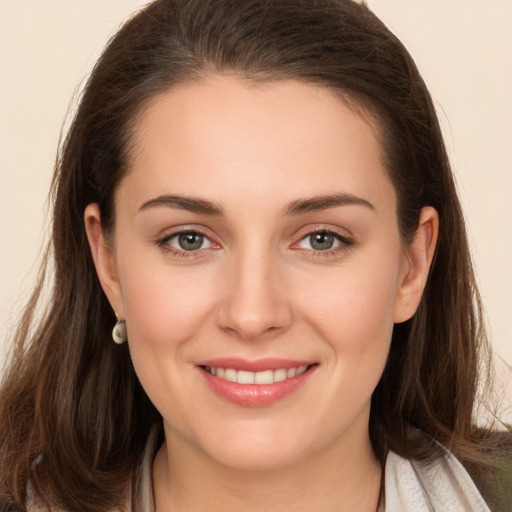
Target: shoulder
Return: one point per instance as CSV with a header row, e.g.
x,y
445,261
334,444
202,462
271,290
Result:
x,y
494,479
453,484
441,484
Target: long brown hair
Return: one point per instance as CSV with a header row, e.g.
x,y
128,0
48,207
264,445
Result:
x,y
74,416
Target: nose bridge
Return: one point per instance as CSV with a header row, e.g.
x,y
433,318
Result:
x,y
255,301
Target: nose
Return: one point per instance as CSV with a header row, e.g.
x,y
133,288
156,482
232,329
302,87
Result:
x,y
255,303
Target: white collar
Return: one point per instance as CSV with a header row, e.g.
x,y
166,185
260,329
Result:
x,y
444,484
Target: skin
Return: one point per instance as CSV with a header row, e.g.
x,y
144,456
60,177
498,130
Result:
x,y
258,288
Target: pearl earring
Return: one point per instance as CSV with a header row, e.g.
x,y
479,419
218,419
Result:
x,y
119,332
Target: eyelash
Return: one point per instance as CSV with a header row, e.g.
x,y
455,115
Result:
x,y
344,243
163,243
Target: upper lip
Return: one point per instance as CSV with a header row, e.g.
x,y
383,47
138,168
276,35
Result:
x,y
257,365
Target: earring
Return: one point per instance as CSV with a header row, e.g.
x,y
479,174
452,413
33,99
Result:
x,y
119,332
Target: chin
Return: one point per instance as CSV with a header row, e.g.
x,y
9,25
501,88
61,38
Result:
x,y
255,459
259,452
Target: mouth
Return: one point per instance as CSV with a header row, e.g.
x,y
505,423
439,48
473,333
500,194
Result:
x,y
261,378
256,384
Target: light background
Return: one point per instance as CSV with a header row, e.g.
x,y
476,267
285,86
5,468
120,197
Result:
x,y
462,47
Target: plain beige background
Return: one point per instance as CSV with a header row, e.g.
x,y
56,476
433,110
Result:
x,y
462,47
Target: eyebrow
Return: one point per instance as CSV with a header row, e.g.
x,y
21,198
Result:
x,y
324,202
191,204
300,206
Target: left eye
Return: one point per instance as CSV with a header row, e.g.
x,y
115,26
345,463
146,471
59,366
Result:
x,y
189,241
321,241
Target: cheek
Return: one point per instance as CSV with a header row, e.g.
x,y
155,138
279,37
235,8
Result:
x,y
358,330
165,309
355,307
165,306
353,314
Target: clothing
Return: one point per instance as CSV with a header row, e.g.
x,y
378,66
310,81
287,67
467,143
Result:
x,y
443,486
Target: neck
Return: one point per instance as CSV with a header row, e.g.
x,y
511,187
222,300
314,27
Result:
x,y
345,477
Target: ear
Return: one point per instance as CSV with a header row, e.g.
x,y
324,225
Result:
x,y
104,258
418,257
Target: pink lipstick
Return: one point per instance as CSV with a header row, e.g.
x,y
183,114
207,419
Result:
x,y
255,383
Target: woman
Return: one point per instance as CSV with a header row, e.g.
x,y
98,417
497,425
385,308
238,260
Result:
x,y
256,196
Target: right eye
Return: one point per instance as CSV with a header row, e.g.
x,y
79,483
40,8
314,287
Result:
x,y
186,243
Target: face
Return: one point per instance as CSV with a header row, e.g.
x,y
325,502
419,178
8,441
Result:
x,y
256,241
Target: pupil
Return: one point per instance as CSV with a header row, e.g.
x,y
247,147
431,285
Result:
x,y
190,241
322,241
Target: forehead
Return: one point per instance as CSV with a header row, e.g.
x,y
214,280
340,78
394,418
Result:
x,y
230,137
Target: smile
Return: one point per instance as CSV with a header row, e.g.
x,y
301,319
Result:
x,y
261,378
256,383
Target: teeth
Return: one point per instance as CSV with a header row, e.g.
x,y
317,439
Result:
x,y
291,373
245,377
279,375
301,370
264,377
230,375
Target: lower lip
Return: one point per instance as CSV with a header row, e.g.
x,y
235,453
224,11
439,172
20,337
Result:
x,y
256,395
